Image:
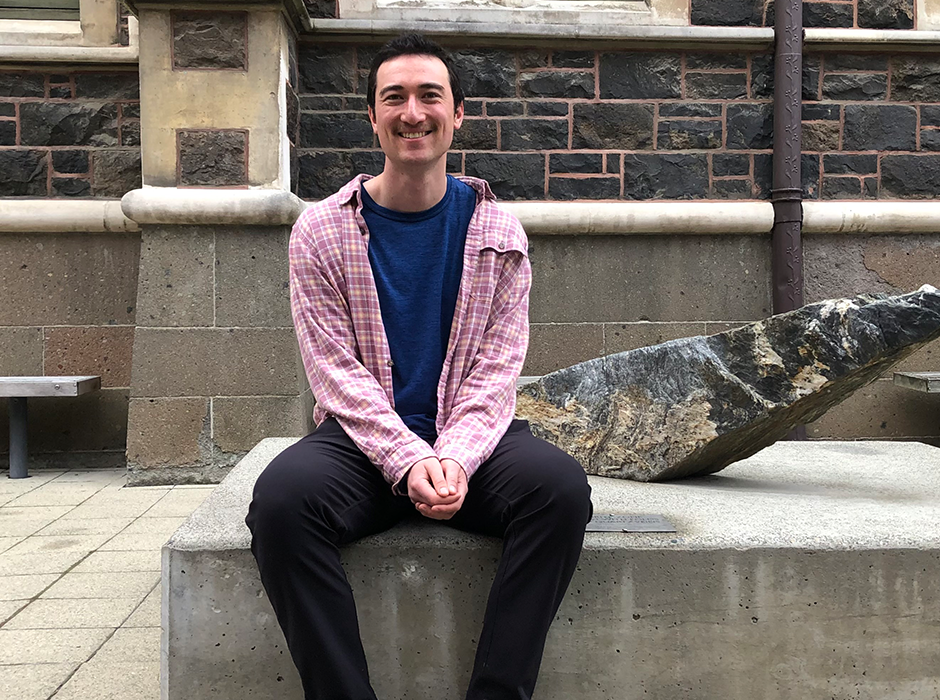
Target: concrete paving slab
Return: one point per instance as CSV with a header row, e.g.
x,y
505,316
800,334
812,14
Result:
x,y
147,613
119,503
118,562
67,525
179,502
113,681
149,525
71,613
135,585
105,476
135,542
56,494
38,562
6,543
131,644
50,646
8,607
33,681
25,586
59,543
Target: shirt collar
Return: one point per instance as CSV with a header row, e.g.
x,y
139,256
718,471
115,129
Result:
x,y
350,192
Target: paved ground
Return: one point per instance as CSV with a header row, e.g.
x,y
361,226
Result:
x,y
80,583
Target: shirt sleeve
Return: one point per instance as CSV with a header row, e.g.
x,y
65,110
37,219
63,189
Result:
x,y
485,403
341,384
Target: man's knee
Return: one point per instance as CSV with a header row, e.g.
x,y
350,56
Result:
x,y
286,488
566,488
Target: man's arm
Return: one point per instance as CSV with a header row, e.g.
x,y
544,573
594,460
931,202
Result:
x,y
486,400
342,385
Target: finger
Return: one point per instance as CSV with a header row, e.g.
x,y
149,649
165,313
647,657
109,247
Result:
x,y
436,474
421,491
451,472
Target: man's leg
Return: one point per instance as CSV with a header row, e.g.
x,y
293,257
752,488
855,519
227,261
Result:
x,y
536,497
315,496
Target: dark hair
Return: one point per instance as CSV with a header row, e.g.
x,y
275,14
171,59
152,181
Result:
x,y
414,45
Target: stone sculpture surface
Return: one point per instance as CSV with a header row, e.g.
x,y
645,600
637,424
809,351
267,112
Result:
x,y
693,406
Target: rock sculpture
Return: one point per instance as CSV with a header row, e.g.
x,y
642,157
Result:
x,y
693,406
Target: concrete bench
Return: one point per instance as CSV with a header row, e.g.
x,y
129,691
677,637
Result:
x,y
811,570
18,389
927,382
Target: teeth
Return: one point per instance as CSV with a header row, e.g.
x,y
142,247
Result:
x,y
415,134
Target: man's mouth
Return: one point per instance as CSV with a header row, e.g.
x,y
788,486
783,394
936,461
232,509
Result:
x,y
413,134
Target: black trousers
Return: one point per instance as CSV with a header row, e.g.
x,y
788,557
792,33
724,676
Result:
x,y
322,493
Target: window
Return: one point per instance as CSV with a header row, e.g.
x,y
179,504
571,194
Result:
x,y
39,9
59,22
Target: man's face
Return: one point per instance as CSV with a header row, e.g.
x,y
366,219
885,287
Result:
x,y
414,114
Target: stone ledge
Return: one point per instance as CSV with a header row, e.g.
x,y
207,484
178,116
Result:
x,y
169,205
63,216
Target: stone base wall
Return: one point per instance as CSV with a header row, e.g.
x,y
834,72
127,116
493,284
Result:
x,y
70,307
848,14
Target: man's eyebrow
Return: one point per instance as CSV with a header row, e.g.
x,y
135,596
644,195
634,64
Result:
x,y
423,86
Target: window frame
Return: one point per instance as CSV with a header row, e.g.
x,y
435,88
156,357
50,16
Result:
x,y
98,25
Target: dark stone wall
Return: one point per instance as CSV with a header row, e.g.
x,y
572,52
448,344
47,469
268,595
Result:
x,y
861,14
69,134
645,125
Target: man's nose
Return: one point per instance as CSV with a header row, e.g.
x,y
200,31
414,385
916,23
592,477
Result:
x,y
413,111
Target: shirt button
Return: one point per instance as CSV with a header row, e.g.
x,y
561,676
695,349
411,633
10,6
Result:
x,y
390,363
502,245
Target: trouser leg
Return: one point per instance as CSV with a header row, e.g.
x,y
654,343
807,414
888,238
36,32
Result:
x,y
318,494
537,498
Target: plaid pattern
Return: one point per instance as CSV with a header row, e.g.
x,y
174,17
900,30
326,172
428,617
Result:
x,y
345,349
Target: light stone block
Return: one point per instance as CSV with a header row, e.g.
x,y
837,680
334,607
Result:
x,y
132,644
131,542
134,585
59,543
50,646
181,501
55,494
7,608
99,680
147,613
114,562
68,613
38,563
33,681
24,586
86,526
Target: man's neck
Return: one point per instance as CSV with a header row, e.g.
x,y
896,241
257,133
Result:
x,y
408,191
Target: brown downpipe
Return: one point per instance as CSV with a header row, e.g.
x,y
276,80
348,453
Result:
x,y
787,193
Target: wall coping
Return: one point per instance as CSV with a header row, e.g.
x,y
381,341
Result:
x,y
159,205
69,54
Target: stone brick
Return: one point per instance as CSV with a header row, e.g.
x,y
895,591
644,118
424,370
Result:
x,y
726,164
914,79
821,136
166,431
762,77
930,140
855,86
620,278
554,346
533,58
238,424
478,134
856,61
7,109
216,157
215,362
321,8
130,110
22,84
665,176
60,91
486,72
94,422
68,124
71,187
70,161
750,126
841,187
23,173
870,187
568,84
733,13
326,70
609,126
357,103
116,172
322,173
613,163
455,163
575,163
640,75
533,134
123,85
215,40
828,15
101,350
548,109
505,108
573,59
689,109
844,164
568,188
337,130
20,351
886,14
904,262
687,135
809,174
320,103
821,112
473,108
511,175
834,268
930,115
251,277
176,276
732,189
715,86
879,411
880,128
811,77
7,133
621,337
715,61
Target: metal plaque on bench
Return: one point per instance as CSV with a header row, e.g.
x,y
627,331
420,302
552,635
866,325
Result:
x,y
607,522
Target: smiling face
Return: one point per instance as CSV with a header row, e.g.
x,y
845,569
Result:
x,y
414,115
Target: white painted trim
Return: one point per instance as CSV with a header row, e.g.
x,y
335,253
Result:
x,y
872,39
62,216
169,205
871,217
69,54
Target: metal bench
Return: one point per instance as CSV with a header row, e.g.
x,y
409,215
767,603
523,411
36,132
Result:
x,y
927,382
18,389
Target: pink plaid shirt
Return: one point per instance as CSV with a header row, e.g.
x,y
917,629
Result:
x,y
345,349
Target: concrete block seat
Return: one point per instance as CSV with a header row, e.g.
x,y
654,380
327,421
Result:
x,y
811,570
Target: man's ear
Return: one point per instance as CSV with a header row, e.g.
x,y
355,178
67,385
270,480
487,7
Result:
x,y
458,116
375,127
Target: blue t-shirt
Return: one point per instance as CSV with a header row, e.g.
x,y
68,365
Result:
x,y
417,262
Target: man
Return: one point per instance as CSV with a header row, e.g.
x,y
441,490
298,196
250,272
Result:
x,y
410,299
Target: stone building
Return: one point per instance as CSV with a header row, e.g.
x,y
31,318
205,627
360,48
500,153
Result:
x,y
645,125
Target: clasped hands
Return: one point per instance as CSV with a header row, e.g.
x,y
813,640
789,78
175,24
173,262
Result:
x,y
437,487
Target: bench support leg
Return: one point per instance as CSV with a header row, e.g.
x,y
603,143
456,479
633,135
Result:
x,y
18,466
